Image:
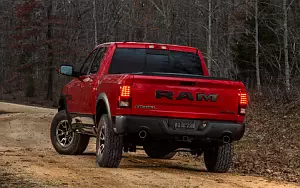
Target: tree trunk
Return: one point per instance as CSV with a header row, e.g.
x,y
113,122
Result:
x,y
190,24
257,48
50,51
130,20
2,79
209,43
95,22
286,50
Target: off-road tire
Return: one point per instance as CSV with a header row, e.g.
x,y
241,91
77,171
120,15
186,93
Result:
x,y
111,155
79,143
155,153
218,159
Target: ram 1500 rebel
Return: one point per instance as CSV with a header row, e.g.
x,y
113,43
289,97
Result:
x,y
158,96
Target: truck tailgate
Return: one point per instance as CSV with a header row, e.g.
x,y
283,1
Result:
x,y
197,98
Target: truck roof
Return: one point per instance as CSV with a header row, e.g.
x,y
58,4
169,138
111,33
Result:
x,y
150,45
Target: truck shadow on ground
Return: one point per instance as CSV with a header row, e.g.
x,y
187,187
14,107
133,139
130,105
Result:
x,y
144,162
159,164
89,154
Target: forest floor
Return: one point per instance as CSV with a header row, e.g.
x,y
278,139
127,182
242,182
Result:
x,y
28,160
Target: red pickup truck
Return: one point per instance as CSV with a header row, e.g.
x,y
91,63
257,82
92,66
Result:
x,y
158,96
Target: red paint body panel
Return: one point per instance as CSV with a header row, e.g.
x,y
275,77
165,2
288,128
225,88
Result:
x,y
86,89
144,88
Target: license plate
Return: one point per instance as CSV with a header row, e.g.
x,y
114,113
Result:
x,y
184,124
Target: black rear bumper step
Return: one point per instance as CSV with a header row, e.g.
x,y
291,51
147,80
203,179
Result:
x,y
156,126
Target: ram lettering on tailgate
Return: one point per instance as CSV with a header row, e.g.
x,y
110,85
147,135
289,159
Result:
x,y
186,95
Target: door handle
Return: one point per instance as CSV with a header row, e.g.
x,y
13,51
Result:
x,y
88,79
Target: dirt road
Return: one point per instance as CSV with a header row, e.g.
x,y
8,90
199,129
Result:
x,y
28,160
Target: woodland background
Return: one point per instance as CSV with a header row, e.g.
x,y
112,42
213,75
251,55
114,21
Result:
x,y
255,41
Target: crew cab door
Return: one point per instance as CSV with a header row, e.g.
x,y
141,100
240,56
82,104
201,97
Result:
x,y
90,83
76,94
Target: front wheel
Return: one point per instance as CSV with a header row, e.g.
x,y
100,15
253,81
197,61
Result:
x,y
109,145
218,159
64,140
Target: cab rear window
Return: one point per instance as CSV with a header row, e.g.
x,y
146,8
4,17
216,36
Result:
x,y
128,60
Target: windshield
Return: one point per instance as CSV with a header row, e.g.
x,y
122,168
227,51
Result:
x,y
128,60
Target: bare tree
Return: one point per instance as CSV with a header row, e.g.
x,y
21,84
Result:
x,y
50,57
257,48
286,47
95,22
209,39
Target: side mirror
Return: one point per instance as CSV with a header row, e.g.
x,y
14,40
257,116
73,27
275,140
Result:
x,y
66,70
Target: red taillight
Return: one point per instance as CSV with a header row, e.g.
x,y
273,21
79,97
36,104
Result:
x,y
125,91
243,99
125,97
243,102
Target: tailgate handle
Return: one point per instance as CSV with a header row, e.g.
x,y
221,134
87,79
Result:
x,y
187,83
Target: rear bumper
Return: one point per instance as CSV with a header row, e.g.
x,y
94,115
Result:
x,y
162,127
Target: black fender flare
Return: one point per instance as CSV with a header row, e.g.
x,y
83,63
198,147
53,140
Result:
x,y
103,96
64,98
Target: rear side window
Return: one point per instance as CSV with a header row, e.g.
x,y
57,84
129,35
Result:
x,y
160,61
86,66
97,62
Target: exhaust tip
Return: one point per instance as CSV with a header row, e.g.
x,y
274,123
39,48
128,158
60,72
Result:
x,y
142,134
226,139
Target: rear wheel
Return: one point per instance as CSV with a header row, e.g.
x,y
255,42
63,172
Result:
x,y
153,151
64,140
109,145
218,159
